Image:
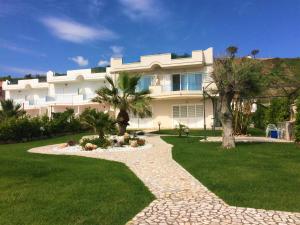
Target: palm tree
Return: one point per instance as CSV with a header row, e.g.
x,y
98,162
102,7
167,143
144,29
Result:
x,y
10,109
231,51
124,96
254,52
99,121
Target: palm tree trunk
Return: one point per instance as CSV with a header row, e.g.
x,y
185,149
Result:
x,y
122,120
101,134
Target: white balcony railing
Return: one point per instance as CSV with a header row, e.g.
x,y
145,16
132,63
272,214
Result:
x,y
68,98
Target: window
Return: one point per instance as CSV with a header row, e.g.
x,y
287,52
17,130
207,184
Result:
x,y
187,111
176,82
183,111
144,83
176,111
199,110
195,82
191,111
184,82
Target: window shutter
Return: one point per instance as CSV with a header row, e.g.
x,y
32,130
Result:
x,y
199,110
183,111
191,111
176,111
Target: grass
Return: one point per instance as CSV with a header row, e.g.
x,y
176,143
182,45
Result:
x,y
48,189
257,175
209,132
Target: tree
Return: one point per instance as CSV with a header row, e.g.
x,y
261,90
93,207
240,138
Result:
x,y
254,52
231,51
236,79
123,95
10,109
99,121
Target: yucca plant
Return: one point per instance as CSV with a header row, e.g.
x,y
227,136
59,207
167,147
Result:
x,y
10,109
100,122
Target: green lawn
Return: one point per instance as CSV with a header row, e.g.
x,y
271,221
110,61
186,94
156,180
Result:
x,y
48,189
209,132
258,175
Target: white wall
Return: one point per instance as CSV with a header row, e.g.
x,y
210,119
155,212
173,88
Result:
x,y
86,88
28,95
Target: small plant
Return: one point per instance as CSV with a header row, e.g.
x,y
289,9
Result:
x,y
101,143
182,129
71,143
141,142
101,122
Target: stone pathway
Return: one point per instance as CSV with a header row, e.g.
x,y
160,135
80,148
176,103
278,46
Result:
x,y
181,199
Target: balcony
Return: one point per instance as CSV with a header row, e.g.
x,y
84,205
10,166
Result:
x,y
70,98
198,58
75,76
174,85
31,102
25,84
160,91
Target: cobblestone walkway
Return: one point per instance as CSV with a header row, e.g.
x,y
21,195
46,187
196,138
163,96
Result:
x,y
181,199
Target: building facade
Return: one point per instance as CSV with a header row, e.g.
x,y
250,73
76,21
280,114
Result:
x,y
175,84
2,92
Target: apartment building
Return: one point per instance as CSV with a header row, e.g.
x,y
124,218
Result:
x,y
175,84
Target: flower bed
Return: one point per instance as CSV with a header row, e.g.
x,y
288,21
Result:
x,y
109,143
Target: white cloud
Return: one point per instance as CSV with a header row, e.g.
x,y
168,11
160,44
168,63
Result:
x,y
117,51
103,62
21,71
73,31
137,9
80,60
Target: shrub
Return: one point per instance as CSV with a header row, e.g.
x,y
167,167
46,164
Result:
x,y
259,117
100,122
71,143
141,142
182,129
278,111
20,129
26,128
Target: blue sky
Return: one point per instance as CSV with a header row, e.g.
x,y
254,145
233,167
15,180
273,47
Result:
x,y
37,36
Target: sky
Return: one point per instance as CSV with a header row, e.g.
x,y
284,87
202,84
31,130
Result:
x,y
60,35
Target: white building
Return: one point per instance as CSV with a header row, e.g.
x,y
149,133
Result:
x,y
175,84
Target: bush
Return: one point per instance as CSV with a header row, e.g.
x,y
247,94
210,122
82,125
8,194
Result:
x,y
259,117
278,111
71,143
20,129
64,122
182,129
27,128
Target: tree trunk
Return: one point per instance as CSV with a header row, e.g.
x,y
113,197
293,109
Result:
x,y
101,134
122,120
226,118
227,138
